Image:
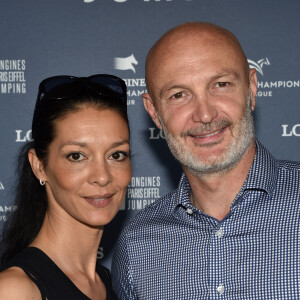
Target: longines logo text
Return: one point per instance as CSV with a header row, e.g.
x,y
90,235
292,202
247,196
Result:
x,y
290,130
23,136
135,88
156,134
142,191
12,76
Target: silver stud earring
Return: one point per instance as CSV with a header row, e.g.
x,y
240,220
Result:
x,y
42,182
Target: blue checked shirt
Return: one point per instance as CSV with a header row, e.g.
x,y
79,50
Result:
x,y
171,250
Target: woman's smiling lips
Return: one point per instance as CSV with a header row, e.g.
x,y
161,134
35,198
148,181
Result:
x,y
99,200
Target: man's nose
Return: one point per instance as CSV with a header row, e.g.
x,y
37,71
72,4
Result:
x,y
204,110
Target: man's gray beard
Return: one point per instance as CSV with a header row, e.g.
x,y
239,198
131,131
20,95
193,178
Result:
x,y
218,163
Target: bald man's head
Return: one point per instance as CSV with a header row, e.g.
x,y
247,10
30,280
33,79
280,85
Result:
x,y
194,36
201,94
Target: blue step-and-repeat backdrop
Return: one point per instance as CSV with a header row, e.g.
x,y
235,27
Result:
x,y
83,37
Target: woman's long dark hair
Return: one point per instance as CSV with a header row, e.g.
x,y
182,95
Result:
x,y
23,225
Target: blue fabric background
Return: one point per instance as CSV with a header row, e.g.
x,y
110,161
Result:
x,y
45,38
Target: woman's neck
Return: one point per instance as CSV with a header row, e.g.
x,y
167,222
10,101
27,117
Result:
x,y
69,243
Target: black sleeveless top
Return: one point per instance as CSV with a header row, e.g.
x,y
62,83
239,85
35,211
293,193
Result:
x,y
49,278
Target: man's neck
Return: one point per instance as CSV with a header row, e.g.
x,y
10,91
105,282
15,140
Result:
x,y
213,194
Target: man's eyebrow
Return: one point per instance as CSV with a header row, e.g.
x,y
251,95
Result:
x,y
230,73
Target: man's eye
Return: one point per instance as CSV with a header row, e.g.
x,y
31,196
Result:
x,y
178,95
76,156
222,84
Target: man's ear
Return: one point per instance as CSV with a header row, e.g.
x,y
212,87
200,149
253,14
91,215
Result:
x,y
149,106
36,165
253,87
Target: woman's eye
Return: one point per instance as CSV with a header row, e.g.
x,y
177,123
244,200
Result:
x,y
119,155
76,156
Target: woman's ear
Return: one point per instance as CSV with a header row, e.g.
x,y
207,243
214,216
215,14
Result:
x,y
36,166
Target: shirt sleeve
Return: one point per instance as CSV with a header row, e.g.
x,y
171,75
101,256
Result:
x,y
121,278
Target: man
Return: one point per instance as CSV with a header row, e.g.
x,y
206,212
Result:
x,y
231,229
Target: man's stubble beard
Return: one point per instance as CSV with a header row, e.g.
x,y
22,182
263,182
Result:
x,y
215,163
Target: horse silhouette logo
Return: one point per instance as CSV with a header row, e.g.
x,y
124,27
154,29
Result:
x,y
125,63
258,65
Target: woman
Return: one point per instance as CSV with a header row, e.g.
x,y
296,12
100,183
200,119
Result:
x,y
72,181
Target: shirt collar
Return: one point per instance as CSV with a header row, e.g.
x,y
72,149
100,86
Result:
x,y
262,176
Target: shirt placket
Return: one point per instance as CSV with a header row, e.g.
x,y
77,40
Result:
x,y
217,268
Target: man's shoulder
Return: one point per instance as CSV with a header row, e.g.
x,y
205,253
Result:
x,y
288,165
154,213
288,177
282,169
289,170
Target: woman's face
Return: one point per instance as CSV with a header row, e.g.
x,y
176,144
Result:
x,y
88,167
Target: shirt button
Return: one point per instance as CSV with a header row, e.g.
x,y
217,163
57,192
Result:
x,y
189,211
220,289
220,233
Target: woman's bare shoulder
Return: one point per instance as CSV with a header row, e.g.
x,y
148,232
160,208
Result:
x,y
14,284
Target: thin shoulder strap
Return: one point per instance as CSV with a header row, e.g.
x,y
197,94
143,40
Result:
x,y
36,282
